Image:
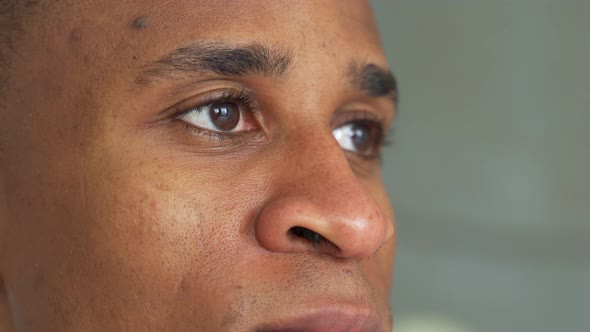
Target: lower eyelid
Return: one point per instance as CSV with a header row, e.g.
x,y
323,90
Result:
x,y
209,134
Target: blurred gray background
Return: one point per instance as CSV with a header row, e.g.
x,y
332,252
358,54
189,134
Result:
x,y
489,168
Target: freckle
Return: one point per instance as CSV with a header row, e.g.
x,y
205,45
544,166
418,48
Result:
x,y
184,286
75,35
38,279
30,3
86,59
140,23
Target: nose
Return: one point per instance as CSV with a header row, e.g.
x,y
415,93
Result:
x,y
325,209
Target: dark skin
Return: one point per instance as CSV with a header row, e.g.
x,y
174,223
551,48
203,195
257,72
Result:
x,y
147,186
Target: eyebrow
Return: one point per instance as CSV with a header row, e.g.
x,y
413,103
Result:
x,y
255,59
220,58
374,80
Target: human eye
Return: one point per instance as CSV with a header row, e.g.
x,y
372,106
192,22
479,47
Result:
x,y
226,113
362,136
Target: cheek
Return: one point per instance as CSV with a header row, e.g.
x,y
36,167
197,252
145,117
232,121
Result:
x,y
163,241
151,230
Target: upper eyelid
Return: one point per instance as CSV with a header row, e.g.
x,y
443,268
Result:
x,y
248,97
358,114
243,96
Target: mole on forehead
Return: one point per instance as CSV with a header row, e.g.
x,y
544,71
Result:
x,y
140,23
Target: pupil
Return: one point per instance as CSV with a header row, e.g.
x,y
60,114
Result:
x,y
225,116
361,138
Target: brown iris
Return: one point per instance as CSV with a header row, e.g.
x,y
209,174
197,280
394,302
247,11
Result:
x,y
362,137
225,116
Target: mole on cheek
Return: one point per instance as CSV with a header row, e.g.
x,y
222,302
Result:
x,y
75,35
38,279
140,23
155,206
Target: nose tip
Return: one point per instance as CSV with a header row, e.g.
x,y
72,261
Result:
x,y
296,224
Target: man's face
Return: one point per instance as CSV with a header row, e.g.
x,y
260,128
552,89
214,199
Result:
x,y
197,165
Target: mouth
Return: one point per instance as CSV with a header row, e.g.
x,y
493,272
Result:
x,y
327,320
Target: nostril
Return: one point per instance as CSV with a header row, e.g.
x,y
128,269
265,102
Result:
x,y
307,234
318,241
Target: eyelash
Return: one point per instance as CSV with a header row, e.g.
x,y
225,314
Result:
x,y
384,137
247,100
242,97
387,139
237,96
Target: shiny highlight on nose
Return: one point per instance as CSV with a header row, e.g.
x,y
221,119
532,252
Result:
x,y
294,223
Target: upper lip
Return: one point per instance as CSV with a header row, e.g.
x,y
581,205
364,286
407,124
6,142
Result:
x,y
335,319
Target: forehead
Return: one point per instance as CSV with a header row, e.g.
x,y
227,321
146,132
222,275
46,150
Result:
x,y
106,45
131,31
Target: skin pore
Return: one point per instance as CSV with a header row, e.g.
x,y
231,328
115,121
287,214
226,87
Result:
x,y
196,165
